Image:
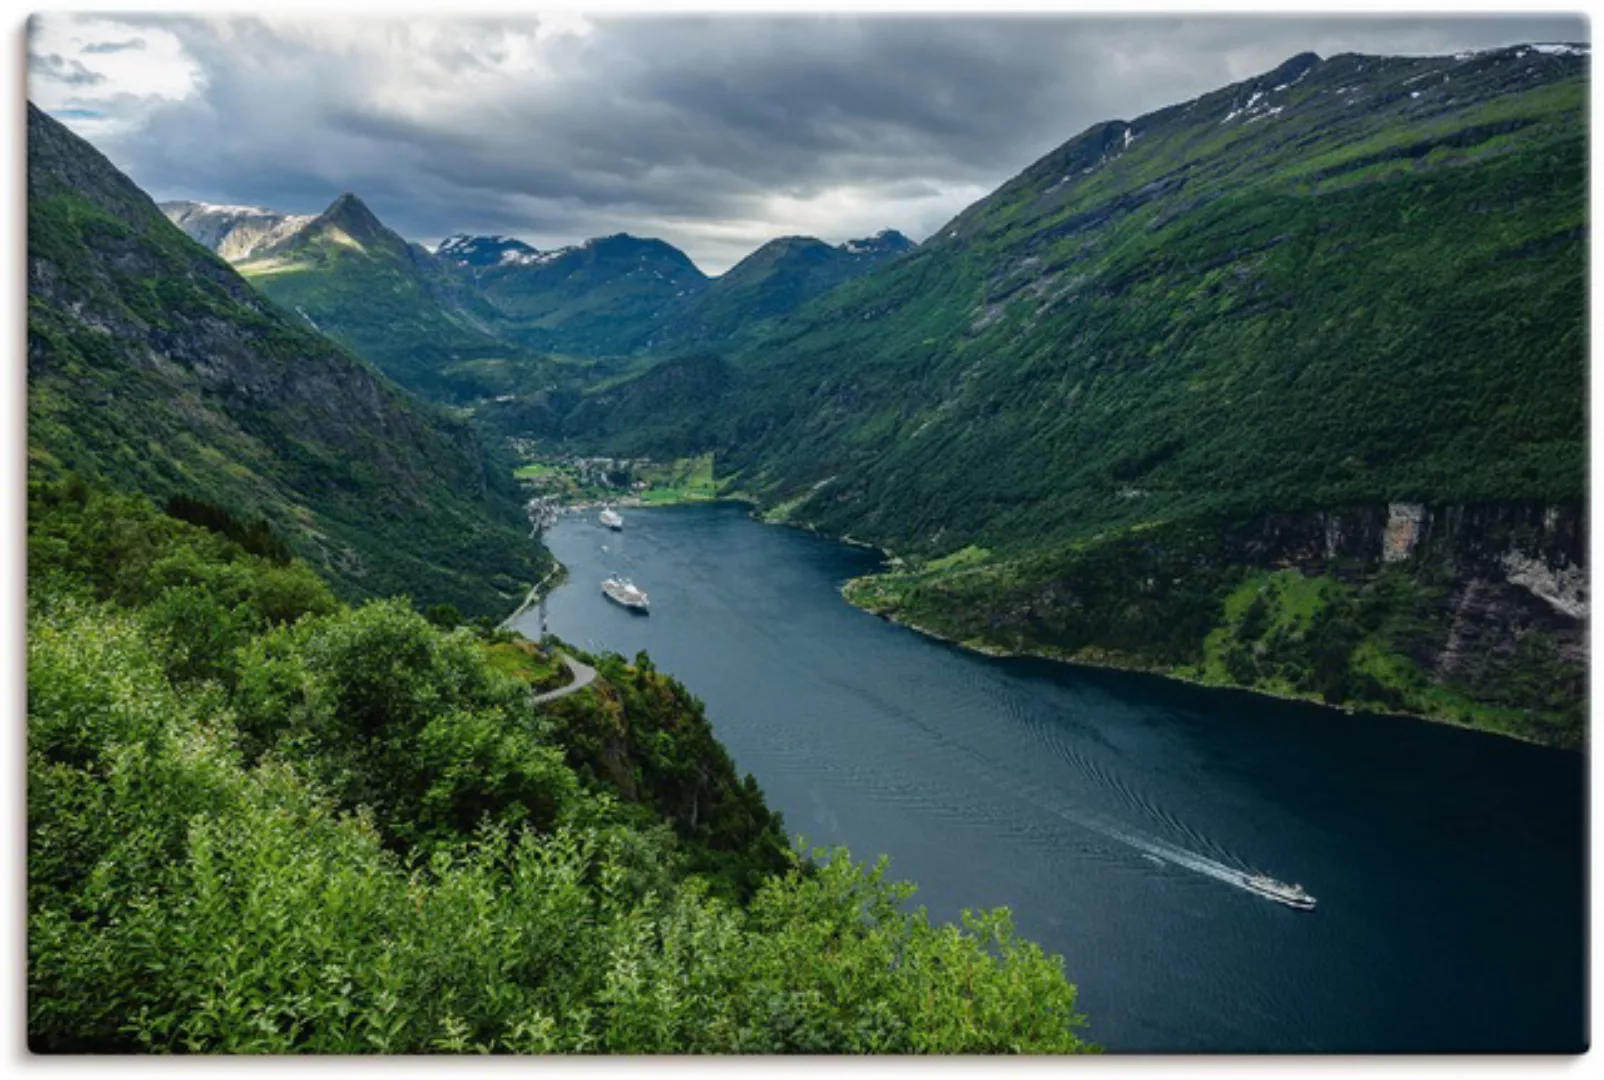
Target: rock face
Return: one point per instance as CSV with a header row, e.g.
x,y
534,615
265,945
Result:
x,y
1403,531
1545,543
1564,587
1514,574
481,251
234,232
885,244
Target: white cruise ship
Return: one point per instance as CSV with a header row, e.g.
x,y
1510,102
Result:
x,y
622,591
1293,896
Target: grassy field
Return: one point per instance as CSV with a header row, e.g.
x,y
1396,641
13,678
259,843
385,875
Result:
x,y
681,480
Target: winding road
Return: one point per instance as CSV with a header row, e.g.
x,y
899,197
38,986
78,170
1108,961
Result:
x,y
583,674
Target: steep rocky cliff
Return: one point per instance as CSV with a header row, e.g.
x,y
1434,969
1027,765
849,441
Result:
x,y
234,232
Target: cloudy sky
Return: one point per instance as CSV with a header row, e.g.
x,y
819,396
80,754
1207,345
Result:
x,y
715,133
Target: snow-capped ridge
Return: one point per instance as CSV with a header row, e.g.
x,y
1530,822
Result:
x,y
1560,48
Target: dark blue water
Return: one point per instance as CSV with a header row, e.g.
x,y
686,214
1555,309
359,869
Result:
x,y
1112,812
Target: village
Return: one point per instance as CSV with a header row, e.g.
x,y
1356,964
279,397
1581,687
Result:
x,y
572,483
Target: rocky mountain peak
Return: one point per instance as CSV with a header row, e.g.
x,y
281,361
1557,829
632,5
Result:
x,y
479,251
884,242
352,216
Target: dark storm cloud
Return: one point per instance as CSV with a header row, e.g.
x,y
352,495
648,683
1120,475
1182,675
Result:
x,y
714,133
103,47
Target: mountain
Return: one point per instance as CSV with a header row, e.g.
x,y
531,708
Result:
x,y
468,322
393,303
599,298
667,405
234,232
1329,321
770,283
152,364
479,251
885,244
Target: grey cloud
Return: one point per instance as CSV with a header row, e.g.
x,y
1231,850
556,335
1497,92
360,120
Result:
x,y
690,127
60,69
114,46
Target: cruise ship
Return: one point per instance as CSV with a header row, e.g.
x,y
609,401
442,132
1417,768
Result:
x,y
1292,896
622,591
612,519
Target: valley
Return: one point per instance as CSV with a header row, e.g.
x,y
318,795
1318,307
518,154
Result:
x,y
1108,402
1203,506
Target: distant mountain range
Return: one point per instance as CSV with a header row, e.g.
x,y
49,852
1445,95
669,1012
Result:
x,y
392,302
611,296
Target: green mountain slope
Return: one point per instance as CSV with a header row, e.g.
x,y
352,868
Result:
x,y
1344,283
393,303
153,364
773,281
601,298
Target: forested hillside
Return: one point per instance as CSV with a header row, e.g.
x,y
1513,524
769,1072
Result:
x,y
768,285
153,364
261,821
1344,284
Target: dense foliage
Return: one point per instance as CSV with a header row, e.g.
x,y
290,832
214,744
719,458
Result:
x,y
151,363
264,822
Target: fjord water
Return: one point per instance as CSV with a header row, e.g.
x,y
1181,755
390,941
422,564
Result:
x,y
1115,813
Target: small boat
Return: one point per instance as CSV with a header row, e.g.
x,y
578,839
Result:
x,y
612,519
622,591
1292,896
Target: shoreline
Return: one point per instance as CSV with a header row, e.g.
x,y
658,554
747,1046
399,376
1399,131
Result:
x,y
533,596
997,652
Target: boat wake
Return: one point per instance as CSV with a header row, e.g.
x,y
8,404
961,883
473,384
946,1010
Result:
x,y
1161,850
1179,856
1154,848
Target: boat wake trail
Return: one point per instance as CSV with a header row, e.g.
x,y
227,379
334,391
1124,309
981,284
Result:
x,y
1177,856
1019,788
1154,848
